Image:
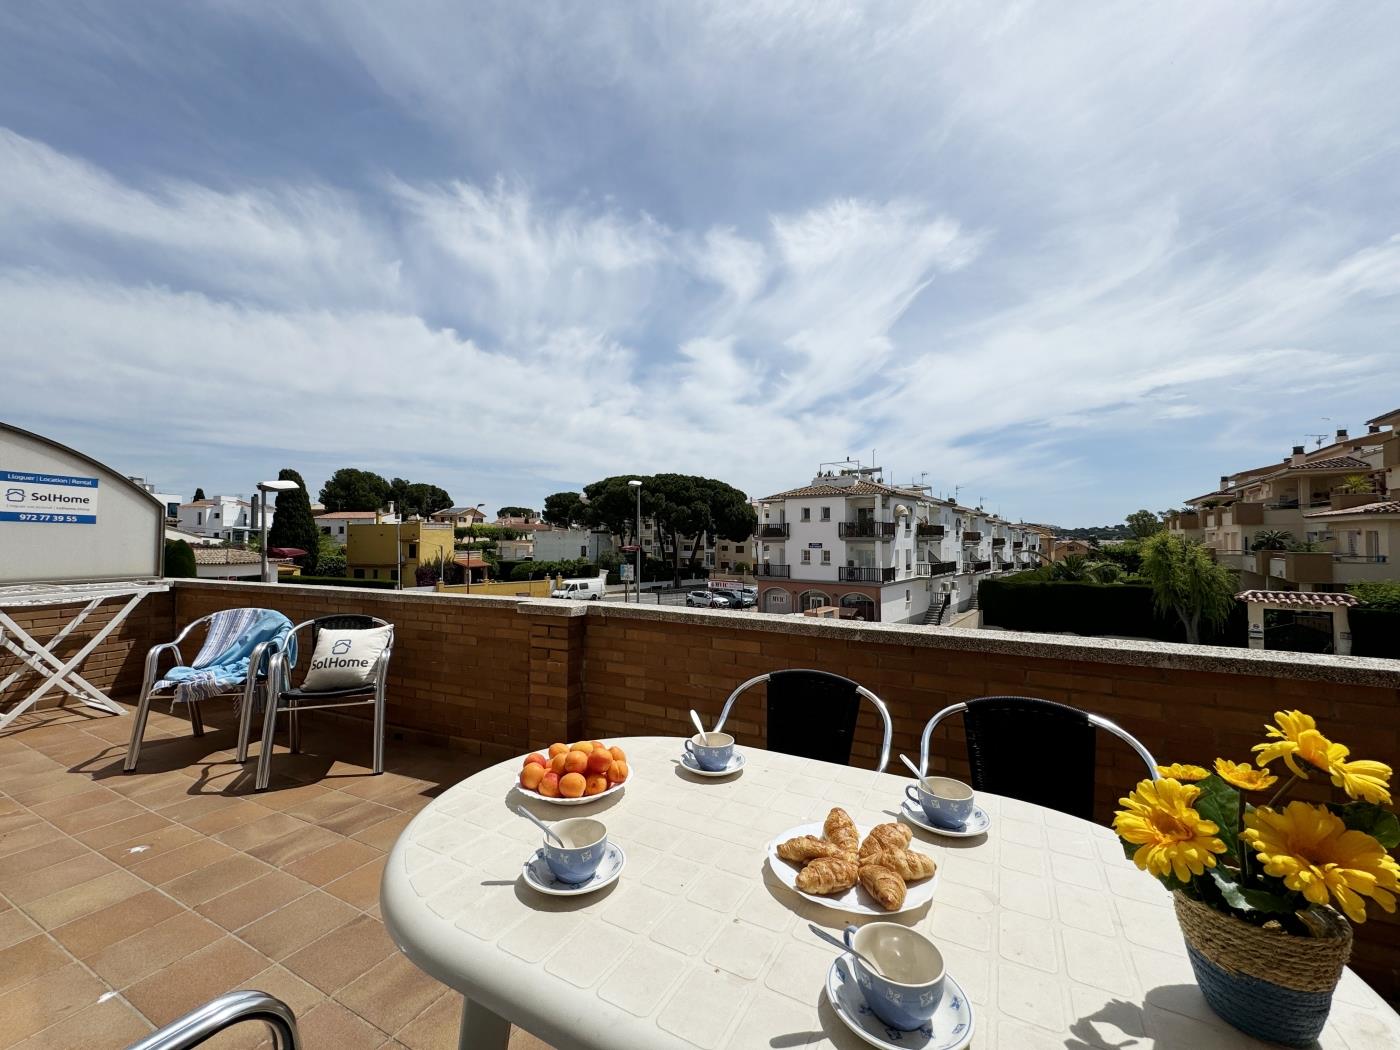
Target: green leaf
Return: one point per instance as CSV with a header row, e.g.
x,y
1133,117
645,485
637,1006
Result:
x,y
1248,900
1219,802
1380,824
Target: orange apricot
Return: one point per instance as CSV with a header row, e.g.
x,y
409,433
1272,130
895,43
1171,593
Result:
x,y
572,785
599,761
535,759
618,753
531,775
598,745
617,771
575,762
556,764
557,749
596,785
549,785
582,745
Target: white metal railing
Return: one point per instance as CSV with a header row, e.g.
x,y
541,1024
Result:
x,y
923,568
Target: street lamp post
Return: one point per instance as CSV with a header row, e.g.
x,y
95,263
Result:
x,y
636,486
264,487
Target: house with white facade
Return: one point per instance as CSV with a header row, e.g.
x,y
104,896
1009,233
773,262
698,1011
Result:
x,y
336,523
555,544
228,518
169,500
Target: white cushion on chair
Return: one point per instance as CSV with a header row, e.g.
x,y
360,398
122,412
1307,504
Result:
x,y
346,658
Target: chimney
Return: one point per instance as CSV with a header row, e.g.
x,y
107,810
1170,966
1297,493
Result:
x,y
1298,455
1374,428
1224,481
1341,435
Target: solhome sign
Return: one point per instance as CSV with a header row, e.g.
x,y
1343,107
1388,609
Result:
x,y
47,499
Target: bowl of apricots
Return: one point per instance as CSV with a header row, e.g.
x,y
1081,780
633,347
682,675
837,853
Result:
x,y
574,774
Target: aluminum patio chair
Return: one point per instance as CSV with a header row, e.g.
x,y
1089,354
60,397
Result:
x,y
286,698
812,714
1034,750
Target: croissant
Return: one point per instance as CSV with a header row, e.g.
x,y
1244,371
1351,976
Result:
x,y
807,847
841,829
908,865
828,875
892,837
884,885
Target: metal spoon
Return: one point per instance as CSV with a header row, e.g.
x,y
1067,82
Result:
x,y
540,824
696,719
912,768
844,947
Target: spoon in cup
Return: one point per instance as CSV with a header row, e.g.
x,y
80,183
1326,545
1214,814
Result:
x,y
694,717
540,824
836,941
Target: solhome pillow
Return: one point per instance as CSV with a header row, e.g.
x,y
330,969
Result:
x,y
344,659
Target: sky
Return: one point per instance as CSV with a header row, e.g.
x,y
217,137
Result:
x,y
1062,260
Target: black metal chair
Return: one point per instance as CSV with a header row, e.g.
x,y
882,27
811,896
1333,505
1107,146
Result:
x,y
283,696
813,714
1034,750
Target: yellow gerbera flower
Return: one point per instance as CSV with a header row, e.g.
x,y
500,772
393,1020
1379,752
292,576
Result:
x,y
1184,772
1173,838
1295,736
1364,778
1315,854
1244,776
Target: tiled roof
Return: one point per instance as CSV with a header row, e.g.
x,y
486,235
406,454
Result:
x,y
860,488
1383,416
1212,495
1389,506
339,514
1333,463
225,556
1300,599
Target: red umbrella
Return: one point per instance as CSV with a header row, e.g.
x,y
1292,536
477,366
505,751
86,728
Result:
x,y
285,552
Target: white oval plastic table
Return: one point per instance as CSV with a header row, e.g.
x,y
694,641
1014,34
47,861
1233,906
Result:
x,y
1058,940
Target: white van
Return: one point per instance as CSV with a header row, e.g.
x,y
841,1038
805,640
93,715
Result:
x,y
583,590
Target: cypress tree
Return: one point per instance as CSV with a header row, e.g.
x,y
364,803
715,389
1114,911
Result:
x,y
293,524
179,560
198,495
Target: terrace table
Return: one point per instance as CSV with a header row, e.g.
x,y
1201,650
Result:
x,y
1058,940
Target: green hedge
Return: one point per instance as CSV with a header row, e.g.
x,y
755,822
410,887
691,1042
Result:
x,y
1375,632
1122,610
340,581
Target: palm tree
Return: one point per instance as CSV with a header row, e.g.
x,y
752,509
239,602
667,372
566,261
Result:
x,y
1076,568
1356,483
1272,540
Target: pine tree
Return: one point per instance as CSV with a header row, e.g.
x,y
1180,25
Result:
x,y
293,524
198,495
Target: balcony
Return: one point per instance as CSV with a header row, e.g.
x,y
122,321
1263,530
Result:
x,y
1362,568
930,531
922,569
866,529
942,568
1017,544
1295,566
982,566
773,531
775,571
1244,514
998,541
971,536
865,574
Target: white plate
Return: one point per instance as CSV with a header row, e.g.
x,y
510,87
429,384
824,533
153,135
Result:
x,y
582,800
539,877
855,901
736,763
950,1028
977,824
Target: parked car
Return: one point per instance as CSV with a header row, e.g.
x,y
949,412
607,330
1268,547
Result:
x,y
743,599
707,600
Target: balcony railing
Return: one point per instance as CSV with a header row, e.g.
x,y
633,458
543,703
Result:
x,y
923,568
862,574
1017,544
970,536
942,568
930,531
982,566
998,541
1375,559
776,571
770,531
866,529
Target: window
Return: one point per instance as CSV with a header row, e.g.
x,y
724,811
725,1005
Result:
x,y
199,517
413,550
583,550
908,597
806,557
826,514
393,574
908,560
806,513
172,510
359,574
325,530
826,557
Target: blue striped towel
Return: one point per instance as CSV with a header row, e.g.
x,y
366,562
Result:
x,y
222,663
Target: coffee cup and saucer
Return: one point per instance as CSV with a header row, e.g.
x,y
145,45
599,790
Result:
x,y
944,806
711,755
586,861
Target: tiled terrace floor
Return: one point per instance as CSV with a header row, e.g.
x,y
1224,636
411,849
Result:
x,y
126,900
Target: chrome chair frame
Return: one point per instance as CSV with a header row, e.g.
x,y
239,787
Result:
x,y
203,1022
1097,721
280,681
254,685
860,690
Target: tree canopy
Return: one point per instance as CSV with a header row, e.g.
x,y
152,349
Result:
x,y
563,509
516,512
198,495
417,498
1143,523
1187,581
293,524
352,489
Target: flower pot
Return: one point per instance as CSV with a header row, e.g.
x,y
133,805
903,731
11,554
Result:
x,y
1267,983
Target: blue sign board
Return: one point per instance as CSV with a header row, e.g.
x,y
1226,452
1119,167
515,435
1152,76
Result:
x,y
39,498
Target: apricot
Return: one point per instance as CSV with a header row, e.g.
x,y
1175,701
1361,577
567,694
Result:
x,y
556,764
575,762
582,745
549,785
599,761
598,745
596,785
531,775
618,753
557,749
572,785
535,759
617,771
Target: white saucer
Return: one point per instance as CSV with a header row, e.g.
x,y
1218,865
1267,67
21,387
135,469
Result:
x,y
977,824
736,763
854,901
950,1028
539,877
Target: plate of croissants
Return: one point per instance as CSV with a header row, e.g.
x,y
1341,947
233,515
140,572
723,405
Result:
x,y
863,872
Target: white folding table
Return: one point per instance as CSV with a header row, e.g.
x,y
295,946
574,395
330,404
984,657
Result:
x,y
40,657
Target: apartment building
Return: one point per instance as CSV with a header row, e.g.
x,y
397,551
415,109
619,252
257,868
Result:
x,y
228,518
460,516
1337,506
879,552
555,544
370,552
169,500
336,524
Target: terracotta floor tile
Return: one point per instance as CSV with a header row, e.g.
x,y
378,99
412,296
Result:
x,y
87,936
23,961
298,924
331,1024
117,809
146,846
283,798
194,807
260,831
135,785
338,958
361,886
384,834
84,899
13,816
142,823
35,833
381,786
523,1040
71,871
436,1027
128,961
15,926
287,986
280,852
54,850
47,1000
320,808
102,1026
195,979
167,867
238,907
339,858
240,813
391,993
73,804
215,879
45,787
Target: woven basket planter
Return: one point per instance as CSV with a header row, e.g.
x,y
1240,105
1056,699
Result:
x,y
1269,984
